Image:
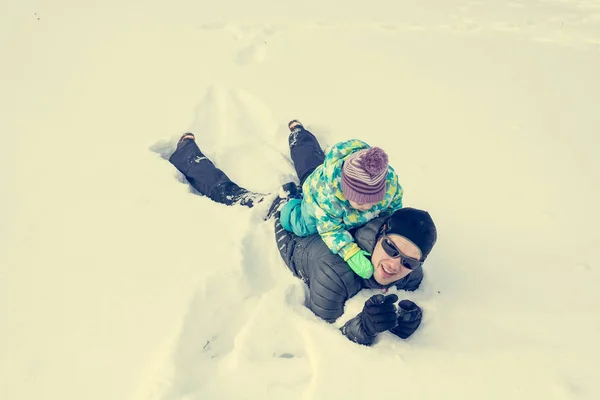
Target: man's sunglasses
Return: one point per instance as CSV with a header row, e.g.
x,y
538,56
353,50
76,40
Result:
x,y
393,251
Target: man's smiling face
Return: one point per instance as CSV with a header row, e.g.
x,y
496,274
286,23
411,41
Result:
x,y
386,269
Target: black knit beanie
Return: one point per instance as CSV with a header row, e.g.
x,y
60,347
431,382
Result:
x,y
415,225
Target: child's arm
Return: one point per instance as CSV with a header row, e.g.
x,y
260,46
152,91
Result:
x,y
340,242
333,233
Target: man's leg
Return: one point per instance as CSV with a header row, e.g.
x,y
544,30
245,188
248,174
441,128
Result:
x,y
286,243
206,178
305,150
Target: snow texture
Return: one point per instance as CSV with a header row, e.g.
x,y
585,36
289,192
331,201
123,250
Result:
x,y
117,281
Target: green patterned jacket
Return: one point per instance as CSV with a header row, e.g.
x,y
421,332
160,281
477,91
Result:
x,y
324,208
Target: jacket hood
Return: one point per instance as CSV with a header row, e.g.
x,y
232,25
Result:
x,y
342,150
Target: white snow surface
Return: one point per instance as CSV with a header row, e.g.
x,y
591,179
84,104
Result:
x,y
118,282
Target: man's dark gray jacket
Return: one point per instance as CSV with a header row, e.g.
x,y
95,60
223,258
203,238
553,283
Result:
x,y
330,280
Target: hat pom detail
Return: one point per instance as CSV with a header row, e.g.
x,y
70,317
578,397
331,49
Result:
x,y
374,161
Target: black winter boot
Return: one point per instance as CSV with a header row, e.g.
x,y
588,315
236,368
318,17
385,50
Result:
x,y
288,191
184,138
294,125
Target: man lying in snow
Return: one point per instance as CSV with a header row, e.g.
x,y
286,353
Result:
x,y
398,244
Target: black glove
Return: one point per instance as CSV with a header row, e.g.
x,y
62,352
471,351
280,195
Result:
x,y
409,319
378,315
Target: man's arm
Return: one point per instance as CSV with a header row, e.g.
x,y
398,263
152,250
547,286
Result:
x,y
328,291
331,283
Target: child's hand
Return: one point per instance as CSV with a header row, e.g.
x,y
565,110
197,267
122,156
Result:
x,y
361,265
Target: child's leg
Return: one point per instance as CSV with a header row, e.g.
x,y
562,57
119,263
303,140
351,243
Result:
x,y
305,151
207,179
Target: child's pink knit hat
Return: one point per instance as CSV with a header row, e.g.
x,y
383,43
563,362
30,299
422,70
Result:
x,y
364,176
